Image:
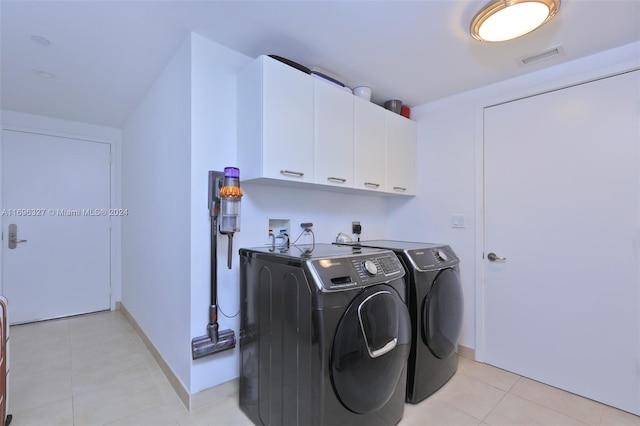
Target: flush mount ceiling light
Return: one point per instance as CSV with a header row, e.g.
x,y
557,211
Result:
x,y
503,20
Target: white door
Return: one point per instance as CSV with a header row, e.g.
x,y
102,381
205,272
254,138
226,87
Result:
x,y
562,188
56,191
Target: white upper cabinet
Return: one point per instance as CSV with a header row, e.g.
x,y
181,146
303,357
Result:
x,y
293,127
369,137
333,135
275,122
401,136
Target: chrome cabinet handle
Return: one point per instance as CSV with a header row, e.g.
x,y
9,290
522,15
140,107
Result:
x,y
336,179
372,184
399,188
495,258
292,173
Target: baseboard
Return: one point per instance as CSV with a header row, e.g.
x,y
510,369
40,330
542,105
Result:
x,y
465,352
183,394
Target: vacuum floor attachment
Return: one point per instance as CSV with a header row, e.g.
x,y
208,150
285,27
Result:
x,y
204,345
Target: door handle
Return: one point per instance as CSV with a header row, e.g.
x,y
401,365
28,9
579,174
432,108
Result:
x,y
495,258
13,236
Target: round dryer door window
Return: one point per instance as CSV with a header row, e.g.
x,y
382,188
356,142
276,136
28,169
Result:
x,y
442,312
370,349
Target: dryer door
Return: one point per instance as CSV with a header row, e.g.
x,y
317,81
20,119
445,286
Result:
x,y
442,312
370,349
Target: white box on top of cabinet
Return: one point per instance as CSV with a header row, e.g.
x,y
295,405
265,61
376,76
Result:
x,y
294,128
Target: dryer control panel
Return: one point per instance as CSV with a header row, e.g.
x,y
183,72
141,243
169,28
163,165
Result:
x,y
345,273
430,258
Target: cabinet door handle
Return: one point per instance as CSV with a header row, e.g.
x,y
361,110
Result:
x,y
336,179
292,173
372,184
399,188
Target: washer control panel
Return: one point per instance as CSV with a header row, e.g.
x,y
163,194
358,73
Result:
x,y
335,274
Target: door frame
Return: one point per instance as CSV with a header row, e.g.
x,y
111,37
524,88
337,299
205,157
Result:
x,y
90,133
570,77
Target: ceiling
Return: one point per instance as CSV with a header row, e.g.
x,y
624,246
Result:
x,y
106,54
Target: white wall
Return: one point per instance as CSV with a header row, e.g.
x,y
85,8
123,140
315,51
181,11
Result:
x,y
450,167
156,187
213,118
445,186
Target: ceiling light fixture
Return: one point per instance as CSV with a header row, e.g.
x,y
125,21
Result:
x,y
503,20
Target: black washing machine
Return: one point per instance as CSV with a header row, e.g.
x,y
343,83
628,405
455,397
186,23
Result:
x,y
434,295
325,335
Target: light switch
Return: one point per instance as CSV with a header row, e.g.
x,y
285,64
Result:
x,y
458,221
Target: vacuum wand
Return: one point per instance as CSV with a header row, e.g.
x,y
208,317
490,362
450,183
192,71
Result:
x,y
224,196
212,327
230,249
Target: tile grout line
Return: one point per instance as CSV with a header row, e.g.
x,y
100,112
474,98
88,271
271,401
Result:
x,y
489,384
550,409
73,395
555,410
507,392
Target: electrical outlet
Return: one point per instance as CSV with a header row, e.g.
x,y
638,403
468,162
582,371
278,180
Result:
x,y
356,228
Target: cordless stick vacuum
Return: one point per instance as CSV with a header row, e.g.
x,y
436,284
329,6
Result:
x,y
224,196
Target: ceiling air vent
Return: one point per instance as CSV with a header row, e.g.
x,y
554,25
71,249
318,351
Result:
x,y
554,51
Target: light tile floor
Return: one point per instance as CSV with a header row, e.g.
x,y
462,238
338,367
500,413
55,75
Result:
x,y
95,370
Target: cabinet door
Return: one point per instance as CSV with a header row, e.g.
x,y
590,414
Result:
x,y
401,154
333,135
369,139
287,144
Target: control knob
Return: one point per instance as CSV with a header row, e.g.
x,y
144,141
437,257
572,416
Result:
x,y
370,267
441,255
